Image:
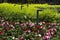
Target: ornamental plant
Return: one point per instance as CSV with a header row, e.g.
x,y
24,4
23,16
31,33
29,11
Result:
x,y
27,30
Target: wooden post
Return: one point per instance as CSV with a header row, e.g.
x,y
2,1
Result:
x,y
37,16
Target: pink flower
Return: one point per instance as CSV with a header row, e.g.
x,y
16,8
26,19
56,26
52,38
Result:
x,y
58,24
21,38
43,22
12,26
24,24
48,33
31,24
29,30
7,22
3,24
54,29
48,37
44,38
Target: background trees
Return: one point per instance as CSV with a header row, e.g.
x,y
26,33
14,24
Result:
x,y
32,1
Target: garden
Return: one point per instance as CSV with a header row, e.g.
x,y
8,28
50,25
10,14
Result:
x,y
18,23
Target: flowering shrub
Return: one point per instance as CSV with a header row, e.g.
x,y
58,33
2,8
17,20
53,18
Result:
x,y
17,30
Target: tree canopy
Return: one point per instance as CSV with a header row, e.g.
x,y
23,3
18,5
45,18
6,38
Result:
x,y
32,1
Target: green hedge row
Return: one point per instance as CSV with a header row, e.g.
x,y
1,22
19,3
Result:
x,y
13,11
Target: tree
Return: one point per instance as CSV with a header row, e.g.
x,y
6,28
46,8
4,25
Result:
x,y
5,0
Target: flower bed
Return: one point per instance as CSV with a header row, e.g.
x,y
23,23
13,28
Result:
x,y
17,24
17,30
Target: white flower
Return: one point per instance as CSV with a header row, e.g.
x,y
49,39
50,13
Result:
x,y
17,39
13,37
2,20
40,23
39,35
12,26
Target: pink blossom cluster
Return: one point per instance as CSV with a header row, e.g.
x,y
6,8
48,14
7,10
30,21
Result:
x,y
50,33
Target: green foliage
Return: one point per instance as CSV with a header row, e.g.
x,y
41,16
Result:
x,y
48,15
13,11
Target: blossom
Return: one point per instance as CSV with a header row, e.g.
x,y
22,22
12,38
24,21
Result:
x,y
48,33
31,24
24,24
1,32
43,22
39,35
13,37
44,38
48,37
58,24
3,24
16,38
6,28
28,30
53,29
21,38
12,26
2,20
39,27
52,33
7,22
40,23
17,23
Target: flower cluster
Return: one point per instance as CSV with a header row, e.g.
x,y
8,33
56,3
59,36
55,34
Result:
x,y
27,30
50,33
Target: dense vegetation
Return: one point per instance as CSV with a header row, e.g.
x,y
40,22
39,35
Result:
x,y
49,13
20,24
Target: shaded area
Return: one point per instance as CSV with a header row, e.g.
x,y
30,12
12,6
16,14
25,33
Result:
x,y
32,1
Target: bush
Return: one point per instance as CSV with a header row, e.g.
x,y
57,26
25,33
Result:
x,y
13,11
20,24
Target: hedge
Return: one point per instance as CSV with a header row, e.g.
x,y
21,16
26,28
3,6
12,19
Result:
x,y
49,13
